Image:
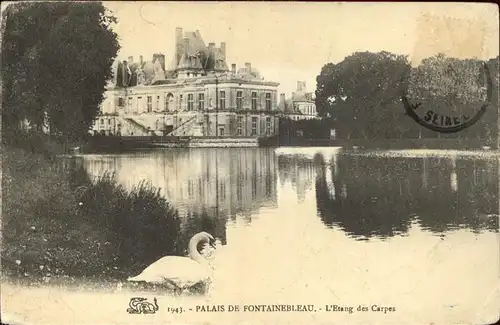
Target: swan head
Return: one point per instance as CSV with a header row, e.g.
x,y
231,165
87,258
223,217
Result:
x,y
207,237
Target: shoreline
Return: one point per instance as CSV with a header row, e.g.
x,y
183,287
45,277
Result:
x,y
111,144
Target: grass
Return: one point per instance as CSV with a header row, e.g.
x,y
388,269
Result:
x,y
58,222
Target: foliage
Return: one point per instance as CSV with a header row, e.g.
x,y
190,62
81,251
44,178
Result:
x,y
56,58
440,77
362,93
143,224
394,190
58,222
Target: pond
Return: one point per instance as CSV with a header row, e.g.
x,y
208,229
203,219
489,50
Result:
x,y
413,230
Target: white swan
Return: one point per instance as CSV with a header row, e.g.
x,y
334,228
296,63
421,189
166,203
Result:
x,y
177,271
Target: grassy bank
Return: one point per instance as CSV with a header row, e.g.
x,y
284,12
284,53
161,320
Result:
x,y
57,222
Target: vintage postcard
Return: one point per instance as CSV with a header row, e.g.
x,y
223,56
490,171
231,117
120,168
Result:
x,y
249,163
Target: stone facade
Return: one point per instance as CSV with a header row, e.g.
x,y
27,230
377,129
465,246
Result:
x,y
198,96
300,106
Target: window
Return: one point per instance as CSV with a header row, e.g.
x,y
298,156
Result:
x,y
222,100
129,105
254,101
239,191
268,101
254,179
221,131
268,125
190,189
223,191
254,126
150,104
190,102
109,121
239,125
180,102
139,106
158,103
169,100
239,100
201,102
121,102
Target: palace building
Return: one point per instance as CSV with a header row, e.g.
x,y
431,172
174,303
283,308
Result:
x,y
301,106
197,95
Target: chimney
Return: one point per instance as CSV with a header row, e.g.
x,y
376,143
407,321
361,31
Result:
x,y
211,49
160,57
282,102
223,50
141,61
248,66
186,46
211,58
233,68
178,44
299,85
125,75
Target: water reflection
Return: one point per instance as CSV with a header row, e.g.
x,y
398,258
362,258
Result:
x,y
398,203
299,171
208,187
380,196
363,195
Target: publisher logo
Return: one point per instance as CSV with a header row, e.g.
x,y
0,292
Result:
x,y
138,305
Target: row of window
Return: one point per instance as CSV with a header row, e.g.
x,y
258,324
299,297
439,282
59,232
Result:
x,y
309,109
169,99
222,190
239,126
102,121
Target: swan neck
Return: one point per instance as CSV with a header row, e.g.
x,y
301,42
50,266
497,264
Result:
x,y
193,249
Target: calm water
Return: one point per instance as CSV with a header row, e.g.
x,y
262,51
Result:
x,y
365,195
412,229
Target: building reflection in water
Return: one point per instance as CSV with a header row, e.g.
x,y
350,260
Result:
x,y
380,196
299,171
208,187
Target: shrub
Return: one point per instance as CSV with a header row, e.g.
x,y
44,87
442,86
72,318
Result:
x,y
57,221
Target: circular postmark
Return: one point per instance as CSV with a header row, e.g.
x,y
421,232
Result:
x,y
448,95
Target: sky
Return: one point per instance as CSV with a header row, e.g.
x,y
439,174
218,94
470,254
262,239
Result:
x,y
291,41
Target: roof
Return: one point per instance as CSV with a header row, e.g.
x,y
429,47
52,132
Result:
x,y
302,96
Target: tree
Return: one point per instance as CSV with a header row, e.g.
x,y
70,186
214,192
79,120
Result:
x,y
448,78
363,91
56,59
453,87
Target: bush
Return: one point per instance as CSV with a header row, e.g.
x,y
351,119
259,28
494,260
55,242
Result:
x,y
141,223
57,221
